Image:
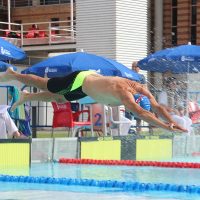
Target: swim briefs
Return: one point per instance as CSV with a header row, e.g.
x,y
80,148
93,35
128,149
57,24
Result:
x,y
70,86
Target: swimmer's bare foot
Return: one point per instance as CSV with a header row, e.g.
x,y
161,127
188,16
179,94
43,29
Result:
x,y
21,100
6,76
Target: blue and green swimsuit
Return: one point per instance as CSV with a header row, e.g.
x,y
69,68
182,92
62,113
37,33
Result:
x,y
70,86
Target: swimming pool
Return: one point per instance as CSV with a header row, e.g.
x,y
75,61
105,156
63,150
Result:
x,y
18,190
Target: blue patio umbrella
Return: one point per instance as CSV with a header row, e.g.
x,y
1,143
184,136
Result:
x,y
65,64
9,51
4,66
184,59
181,60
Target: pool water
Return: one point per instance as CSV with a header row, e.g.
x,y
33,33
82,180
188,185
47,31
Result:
x,y
13,190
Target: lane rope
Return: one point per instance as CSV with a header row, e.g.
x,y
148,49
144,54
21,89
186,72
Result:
x,y
127,186
131,163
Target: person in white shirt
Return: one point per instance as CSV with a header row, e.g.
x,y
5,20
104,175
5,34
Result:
x,y
171,101
7,124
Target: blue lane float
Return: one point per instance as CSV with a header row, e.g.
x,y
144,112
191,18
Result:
x,y
127,186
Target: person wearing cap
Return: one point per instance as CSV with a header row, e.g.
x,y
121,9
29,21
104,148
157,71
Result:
x,y
137,69
107,90
143,82
171,101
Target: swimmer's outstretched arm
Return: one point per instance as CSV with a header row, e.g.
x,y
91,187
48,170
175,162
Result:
x,y
160,110
27,79
129,102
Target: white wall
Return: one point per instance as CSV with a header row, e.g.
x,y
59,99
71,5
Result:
x,y
95,24
116,29
131,31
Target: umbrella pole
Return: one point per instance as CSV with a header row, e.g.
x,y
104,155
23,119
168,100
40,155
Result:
x,y
187,98
34,120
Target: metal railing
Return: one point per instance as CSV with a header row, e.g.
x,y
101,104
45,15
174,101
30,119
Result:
x,y
55,32
28,3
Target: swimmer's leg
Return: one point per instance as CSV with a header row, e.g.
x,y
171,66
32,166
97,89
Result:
x,y
27,79
41,96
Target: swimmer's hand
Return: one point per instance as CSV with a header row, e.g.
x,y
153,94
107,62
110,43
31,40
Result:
x,y
177,127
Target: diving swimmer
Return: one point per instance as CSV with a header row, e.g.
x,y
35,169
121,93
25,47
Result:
x,y
111,91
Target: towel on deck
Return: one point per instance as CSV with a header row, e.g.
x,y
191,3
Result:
x,y
13,96
20,113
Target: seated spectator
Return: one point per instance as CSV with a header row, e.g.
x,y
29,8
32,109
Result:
x,y
171,101
124,127
13,35
36,28
7,124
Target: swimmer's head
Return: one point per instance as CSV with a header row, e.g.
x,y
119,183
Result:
x,y
142,101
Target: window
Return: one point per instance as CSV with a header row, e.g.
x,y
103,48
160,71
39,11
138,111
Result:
x,y
56,24
193,2
50,2
74,22
174,3
174,36
194,15
21,3
27,3
193,21
174,16
193,34
174,23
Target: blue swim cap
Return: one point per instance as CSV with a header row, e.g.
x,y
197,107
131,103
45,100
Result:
x,y
142,101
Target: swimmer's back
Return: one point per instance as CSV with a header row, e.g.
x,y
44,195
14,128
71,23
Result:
x,y
106,89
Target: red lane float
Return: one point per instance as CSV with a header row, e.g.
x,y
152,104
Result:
x,y
131,163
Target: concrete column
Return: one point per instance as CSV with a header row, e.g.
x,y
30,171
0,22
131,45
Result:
x,y
72,17
9,18
158,84
149,28
158,44
158,25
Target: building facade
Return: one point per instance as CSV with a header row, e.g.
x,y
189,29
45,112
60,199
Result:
x,y
164,24
177,24
181,22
